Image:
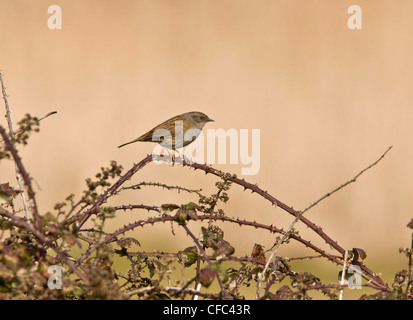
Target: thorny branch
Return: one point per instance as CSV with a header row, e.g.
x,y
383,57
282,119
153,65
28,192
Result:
x,y
53,239
115,188
22,170
300,216
10,123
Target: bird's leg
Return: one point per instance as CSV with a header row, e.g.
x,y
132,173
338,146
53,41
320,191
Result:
x,y
178,160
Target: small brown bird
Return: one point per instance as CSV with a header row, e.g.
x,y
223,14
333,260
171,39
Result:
x,y
176,132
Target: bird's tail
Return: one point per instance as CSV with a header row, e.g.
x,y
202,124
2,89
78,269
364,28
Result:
x,y
122,145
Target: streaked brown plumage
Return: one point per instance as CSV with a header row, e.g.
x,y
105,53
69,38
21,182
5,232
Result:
x,y
165,133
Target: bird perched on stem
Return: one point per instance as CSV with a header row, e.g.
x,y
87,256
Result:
x,y
176,132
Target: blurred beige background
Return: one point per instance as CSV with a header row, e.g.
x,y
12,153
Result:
x,y
328,101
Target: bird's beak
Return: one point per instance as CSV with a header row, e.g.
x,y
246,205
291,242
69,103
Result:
x,y
210,120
